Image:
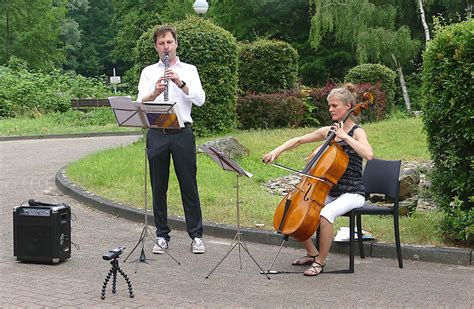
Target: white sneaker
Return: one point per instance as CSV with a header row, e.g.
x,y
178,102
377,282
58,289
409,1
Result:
x,y
161,246
197,246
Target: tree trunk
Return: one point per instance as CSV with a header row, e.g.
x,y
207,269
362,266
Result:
x,y
423,21
406,97
8,40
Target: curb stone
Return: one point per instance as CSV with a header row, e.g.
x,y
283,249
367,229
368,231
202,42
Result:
x,y
445,255
71,135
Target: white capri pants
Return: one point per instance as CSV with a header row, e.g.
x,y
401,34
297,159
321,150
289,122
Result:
x,y
337,206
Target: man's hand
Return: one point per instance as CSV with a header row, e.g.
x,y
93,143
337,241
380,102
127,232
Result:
x,y
159,86
173,76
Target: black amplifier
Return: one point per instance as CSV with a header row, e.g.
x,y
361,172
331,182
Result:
x,y
42,232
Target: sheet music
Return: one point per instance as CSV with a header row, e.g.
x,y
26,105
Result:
x,y
146,114
164,114
225,162
125,111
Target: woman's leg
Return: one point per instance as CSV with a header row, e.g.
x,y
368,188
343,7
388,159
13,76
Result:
x,y
325,239
329,213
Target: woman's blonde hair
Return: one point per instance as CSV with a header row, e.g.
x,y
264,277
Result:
x,y
347,93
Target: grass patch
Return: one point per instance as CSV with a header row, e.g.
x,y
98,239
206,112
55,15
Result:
x,y
117,174
96,120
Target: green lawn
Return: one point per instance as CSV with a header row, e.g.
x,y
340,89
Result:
x,y
117,174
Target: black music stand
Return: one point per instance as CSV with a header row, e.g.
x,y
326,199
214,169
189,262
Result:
x,y
145,116
229,165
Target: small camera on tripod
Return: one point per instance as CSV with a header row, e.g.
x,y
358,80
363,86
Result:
x,y
114,253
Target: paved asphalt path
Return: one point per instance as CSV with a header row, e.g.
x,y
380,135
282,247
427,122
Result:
x,y
28,169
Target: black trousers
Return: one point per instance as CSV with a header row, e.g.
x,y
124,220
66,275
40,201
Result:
x,y
181,146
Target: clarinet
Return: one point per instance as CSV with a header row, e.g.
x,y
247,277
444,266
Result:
x,y
166,62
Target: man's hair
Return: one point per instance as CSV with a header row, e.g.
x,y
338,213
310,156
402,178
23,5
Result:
x,y
162,30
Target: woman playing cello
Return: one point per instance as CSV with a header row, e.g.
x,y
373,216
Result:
x,y
349,192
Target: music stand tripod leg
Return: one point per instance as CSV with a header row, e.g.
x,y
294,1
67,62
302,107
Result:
x,y
269,270
140,239
238,237
222,260
244,246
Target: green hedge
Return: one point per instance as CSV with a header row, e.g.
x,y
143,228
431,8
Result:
x,y
213,51
374,73
448,93
29,93
267,66
269,111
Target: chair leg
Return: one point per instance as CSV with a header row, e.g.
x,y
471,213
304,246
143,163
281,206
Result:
x,y
351,243
397,240
359,237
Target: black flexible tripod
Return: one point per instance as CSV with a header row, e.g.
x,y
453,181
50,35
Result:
x,y
113,272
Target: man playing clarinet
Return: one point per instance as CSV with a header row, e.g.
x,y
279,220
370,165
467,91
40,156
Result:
x,y
179,82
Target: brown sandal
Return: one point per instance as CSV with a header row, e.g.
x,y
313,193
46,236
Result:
x,y
305,260
314,270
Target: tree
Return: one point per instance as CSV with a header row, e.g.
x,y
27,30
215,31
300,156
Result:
x,y
283,20
369,28
448,114
71,34
450,5
133,18
93,58
34,38
288,21
388,46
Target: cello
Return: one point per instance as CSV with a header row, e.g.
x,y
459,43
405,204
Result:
x,y
297,215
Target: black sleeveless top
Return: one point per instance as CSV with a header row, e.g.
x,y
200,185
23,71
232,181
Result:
x,y
351,180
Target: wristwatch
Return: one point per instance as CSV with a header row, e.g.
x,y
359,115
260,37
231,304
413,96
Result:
x,y
183,83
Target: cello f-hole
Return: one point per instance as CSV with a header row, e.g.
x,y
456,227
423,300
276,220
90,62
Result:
x,y
306,197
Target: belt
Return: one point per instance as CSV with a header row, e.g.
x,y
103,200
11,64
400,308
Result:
x,y
173,130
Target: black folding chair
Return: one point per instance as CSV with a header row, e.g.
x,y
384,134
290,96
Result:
x,y
381,177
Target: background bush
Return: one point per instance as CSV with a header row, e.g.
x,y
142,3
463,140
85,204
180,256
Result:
x,y
319,105
374,73
275,110
28,93
267,66
448,117
213,51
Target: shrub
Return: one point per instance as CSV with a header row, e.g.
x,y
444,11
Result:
x,y
374,73
447,105
319,104
28,93
267,66
213,51
268,111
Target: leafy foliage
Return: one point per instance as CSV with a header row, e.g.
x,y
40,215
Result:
x,y
267,66
448,114
32,93
30,30
92,56
385,43
346,20
283,20
132,19
375,73
274,110
213,51
370,28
